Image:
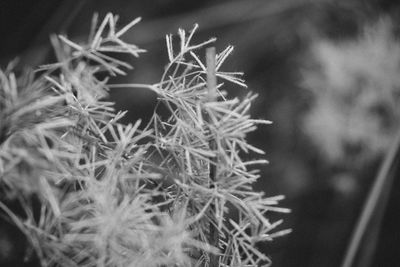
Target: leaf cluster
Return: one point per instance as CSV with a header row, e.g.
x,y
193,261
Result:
x,y
111,194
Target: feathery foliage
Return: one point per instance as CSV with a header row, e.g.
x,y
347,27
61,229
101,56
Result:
x,y
95,192
356,87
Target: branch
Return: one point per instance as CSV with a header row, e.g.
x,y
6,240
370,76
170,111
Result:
x,y
212,96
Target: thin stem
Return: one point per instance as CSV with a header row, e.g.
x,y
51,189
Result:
x,y
376,199
212,96
211,74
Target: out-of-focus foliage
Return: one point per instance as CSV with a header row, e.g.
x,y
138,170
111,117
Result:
x,y
356,85
92,191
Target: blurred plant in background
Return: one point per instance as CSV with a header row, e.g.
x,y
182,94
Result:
x,y
354,121
356,86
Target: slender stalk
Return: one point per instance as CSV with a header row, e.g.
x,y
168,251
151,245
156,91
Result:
x,y
375,203
212,95
211,74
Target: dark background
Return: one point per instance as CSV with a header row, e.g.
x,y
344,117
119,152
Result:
x,y
271,39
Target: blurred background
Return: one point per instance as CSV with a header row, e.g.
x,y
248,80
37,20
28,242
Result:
x,y
327,75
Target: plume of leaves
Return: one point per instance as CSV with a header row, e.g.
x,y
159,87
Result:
x,y
356,88
103,198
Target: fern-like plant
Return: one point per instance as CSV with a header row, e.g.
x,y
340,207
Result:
x,y
94,192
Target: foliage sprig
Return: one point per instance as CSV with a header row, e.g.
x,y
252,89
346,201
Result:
x,y
96,192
